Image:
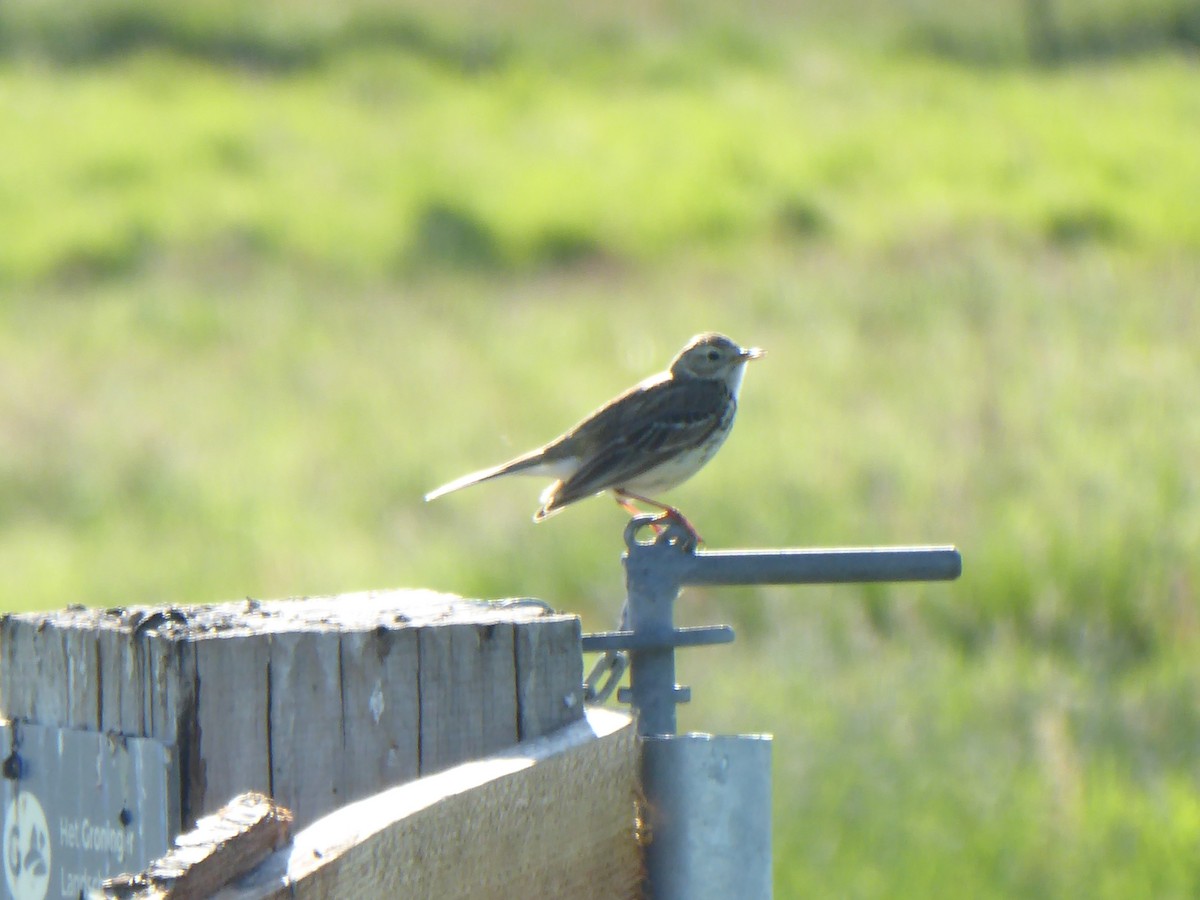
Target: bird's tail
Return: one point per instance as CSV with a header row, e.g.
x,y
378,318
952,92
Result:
x,y
533,463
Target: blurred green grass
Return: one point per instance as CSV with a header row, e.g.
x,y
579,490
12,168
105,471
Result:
x,y
269,273
378,162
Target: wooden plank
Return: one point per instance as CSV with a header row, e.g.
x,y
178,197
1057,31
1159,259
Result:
x,y
47,669
549,675
221,847
381,709
498,693
9,625
50,696
451,691
83,675
232,731
19,676
169,687
110,662
131,669
35,670
120,662
549,818
305,722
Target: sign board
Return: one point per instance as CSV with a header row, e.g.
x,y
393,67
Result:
x,y
77,807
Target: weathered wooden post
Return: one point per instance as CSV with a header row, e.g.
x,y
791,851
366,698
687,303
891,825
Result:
x,y
121,727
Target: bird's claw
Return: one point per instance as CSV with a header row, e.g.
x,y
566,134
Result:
x,y
669,528
672,526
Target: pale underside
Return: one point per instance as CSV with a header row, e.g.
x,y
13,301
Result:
x,y
666,475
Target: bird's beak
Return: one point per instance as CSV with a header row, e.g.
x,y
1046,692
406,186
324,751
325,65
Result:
x,y
753,353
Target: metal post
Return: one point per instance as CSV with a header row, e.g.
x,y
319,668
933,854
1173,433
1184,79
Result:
x,y
710,816
708,805
652,584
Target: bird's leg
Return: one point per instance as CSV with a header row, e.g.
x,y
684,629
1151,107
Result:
x,y
627,504
625,498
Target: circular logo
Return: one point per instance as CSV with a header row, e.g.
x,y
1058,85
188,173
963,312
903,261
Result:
x,y
26,848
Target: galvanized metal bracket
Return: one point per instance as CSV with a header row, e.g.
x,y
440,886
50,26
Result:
x,y
657,570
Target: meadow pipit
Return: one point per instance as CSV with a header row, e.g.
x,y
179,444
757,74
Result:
x,y
657,434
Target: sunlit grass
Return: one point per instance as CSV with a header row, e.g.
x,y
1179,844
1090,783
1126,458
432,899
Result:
x,y
383,164
904,769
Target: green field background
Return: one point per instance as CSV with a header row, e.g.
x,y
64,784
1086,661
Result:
x,y
269,272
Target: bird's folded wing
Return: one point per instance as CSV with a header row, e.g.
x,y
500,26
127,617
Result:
x,y
645,430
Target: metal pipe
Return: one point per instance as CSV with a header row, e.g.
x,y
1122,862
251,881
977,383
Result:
x,y
709,816
835,566
652,586
692,636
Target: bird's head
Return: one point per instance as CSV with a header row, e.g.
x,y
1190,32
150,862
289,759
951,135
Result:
x,y
712,355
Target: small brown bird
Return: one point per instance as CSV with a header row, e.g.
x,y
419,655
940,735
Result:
x,y
656,435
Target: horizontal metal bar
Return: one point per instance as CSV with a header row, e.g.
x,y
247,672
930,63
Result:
x,y
692,636
833,566
681,692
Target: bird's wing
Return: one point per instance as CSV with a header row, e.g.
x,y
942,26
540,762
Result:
x,y
644,428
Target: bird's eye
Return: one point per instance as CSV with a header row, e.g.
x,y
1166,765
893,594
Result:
x,y
714,355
